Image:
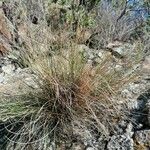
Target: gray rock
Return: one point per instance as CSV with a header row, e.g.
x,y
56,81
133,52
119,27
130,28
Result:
x,y
120,142
143,137
17,84
120,48
123,141
9,69
90,148
118,67
131,93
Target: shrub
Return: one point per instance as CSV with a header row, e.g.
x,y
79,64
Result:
x,y
114,21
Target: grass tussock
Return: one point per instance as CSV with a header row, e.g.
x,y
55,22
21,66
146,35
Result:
x,y
73,93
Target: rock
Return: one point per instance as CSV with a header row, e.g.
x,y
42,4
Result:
x,y
120,142
30,82
131,93
103,55
129,129
17,84
90,148
123,141
118,67
114,44
142,138
140,114
87,52
120,49
9,69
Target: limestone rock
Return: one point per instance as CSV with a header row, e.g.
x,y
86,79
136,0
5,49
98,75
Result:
x,y
90,148
9,69
120,142
120,49
143,138
17,84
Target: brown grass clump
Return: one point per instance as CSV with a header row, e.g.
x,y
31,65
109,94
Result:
x,y
72,93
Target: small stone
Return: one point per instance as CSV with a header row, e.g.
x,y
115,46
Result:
x,y
114,44
129,129
118,67
9,69
91,55
90,148
100,54
126,93
18,70
31,83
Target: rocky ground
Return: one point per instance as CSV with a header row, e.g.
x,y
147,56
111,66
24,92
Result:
x,y
132,133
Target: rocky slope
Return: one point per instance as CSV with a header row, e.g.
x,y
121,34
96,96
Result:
x,y
132,133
